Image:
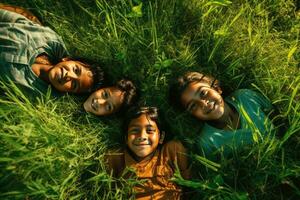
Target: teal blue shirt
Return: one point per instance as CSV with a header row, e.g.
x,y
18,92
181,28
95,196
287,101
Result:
x,y
254,125
21,41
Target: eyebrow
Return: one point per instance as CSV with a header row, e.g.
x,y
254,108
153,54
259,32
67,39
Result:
x,y
149,126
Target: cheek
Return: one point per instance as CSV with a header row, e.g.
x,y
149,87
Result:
x,y
154,138
198,113
101,111
66,86
130,139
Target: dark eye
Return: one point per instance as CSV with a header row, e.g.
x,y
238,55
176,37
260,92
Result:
x,y
150,130
105,94
109,107
77,70
203,93
134,131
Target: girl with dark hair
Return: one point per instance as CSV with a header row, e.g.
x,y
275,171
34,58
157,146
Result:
x,y
239,119
153,162
109,100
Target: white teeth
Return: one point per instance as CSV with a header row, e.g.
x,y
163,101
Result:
x,y
94,104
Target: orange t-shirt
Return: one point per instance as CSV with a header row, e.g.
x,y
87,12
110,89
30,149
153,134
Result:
x,y
155,171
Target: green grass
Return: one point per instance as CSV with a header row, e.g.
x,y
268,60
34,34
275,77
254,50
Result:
x,y
50,150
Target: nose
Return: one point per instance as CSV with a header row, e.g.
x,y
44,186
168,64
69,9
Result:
x,y
202,102
142,136
70,76
101,101
141,139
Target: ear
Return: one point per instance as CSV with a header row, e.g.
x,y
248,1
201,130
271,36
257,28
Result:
x,y
162,137
65,59
89,73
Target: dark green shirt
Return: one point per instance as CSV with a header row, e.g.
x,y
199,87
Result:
x,y
21,41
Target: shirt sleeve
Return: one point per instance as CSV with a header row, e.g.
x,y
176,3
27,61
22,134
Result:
x,y
178,155
56,50
12,17
260,99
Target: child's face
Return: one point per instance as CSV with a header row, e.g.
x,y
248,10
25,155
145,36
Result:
x,y
71,76
104,101
203,101
142,136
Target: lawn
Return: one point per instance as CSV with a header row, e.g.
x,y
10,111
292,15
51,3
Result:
x,y
51,149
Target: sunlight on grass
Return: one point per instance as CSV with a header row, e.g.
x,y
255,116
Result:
x,y
50,149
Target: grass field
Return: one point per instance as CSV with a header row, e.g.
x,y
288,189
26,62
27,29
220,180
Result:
x,y
49,149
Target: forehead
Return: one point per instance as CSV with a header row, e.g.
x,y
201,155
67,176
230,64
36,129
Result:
x,y
190,90
86,81
142,120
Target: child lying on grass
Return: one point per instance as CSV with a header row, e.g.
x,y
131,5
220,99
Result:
x,y
109,100
152,161
230,123
34,56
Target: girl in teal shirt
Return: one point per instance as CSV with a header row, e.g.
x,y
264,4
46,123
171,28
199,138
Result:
x,y
230,123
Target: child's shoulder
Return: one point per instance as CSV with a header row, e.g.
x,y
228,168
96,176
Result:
x,y
251,99
173,147
173,144
242,95
243,92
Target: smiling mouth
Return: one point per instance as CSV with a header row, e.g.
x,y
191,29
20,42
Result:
x,y
94,104
142,144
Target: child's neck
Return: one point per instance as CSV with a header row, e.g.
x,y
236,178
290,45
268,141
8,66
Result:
x,y
139,159
230,120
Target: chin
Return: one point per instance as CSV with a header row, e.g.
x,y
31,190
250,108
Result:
x,y
142,154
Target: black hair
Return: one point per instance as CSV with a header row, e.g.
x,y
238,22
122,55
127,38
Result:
x,y
135,112
130,93
182,82
98,76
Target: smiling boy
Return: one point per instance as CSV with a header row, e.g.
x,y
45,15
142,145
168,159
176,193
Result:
x,y
152,162
34,56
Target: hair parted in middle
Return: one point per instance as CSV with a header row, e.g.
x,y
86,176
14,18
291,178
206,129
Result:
x,y
135,112
178,87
